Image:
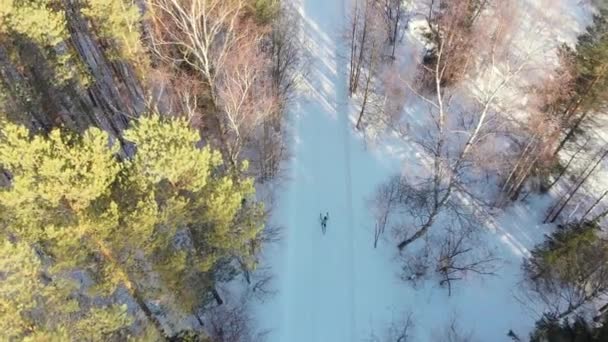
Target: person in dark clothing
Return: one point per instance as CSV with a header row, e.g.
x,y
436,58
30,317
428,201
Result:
x,y
324,220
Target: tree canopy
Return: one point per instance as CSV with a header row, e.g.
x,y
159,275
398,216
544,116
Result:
x,y
164,223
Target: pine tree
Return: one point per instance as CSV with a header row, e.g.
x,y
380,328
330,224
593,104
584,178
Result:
x,y
590,65
72,63
36,305
117,21
579,330
569,269
170,210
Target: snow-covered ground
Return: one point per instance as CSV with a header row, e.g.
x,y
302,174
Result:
x,y
336,287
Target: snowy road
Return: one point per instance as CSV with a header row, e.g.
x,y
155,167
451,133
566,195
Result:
x,y
319,301
328,284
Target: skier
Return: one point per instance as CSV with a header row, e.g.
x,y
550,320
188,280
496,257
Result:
x,y
324,220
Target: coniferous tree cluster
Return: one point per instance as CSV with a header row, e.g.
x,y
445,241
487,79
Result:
x,y
163,225
550,329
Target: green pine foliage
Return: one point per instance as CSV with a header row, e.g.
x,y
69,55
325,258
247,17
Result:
x,y
551,329
265,11
592,63
569,253
43,23
36,305
37,20
117,21
171,210
569,269
587,63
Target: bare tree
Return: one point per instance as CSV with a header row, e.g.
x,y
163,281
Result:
x,y
496,29
261,284
395,19
244,92
565,168
449,24
372,24
540,132
452,253
371,70
535,155
395,97
416,265
457,257
572,119
448,163
452,332
362,20
215,40
383,205
230,324
288,65
400,330
199,33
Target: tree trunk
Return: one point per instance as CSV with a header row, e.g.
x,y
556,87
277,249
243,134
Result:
x,y
353,49
599,199
508,185
359,63
420,231
573,107
15,84
563,171
396,28
574,191
131,287
522,179
216,296
570,133
600,216
368,81
431,219
364,103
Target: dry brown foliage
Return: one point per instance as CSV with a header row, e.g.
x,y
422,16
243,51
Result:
x,y
450,31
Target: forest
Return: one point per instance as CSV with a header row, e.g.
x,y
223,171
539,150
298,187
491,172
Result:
x,y
304,170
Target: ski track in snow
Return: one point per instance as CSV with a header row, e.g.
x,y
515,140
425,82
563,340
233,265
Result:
x,y
320,267
336,287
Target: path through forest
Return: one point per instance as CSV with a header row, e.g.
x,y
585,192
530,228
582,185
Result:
x,y
318,304
327,283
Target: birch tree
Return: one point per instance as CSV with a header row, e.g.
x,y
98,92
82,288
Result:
x,y
245,65
446,162
199,33
245,93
